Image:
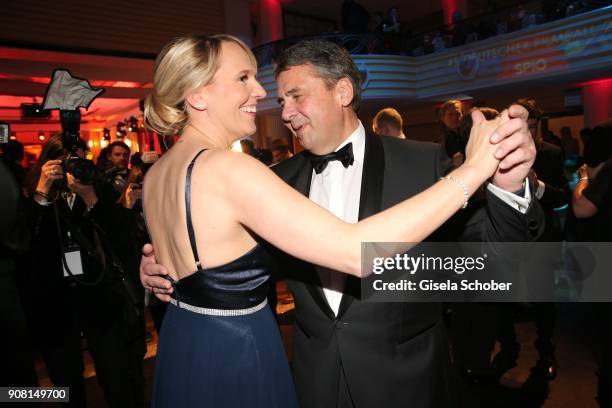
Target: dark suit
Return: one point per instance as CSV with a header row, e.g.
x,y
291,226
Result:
x,y
548,166
390,354
17,365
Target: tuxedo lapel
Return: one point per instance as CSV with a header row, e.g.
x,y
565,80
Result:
x,y
303,177
372,178
301,180
369,204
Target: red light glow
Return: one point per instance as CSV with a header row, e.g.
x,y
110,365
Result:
x,y
597,101
94,82
449,6
595,82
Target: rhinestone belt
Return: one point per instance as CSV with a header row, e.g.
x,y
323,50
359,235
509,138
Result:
x,y
219,312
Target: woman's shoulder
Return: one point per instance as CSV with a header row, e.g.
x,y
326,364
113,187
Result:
x,y
226,162
221,171
214,165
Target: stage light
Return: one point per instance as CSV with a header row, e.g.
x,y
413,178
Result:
x,y
106,134
41,137
34,111
133,124
121,130
13,137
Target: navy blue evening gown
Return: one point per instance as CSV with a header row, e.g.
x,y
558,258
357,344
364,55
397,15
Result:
x,y
219,344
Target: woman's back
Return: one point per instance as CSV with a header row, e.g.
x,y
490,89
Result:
x,y
218,237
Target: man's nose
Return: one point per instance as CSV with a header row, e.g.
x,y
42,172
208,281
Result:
x,y
288,112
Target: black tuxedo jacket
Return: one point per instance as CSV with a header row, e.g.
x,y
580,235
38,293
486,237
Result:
x,y
548,166
392,354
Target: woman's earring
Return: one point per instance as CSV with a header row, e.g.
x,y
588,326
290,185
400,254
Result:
x,y
200,107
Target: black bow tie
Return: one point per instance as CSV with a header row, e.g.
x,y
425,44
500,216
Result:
x,y
344,155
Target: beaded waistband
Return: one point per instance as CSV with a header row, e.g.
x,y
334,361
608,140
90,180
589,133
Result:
x,y
219,312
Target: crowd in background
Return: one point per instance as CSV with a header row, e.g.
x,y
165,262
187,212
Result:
x,y
76,269
69,264
96,296
401,39
572,180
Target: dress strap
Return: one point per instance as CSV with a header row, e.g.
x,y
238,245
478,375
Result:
x,y
192,240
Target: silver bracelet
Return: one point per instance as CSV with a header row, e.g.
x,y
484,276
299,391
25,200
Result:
x,y
466,195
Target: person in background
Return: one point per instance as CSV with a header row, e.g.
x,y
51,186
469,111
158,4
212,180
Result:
x,y
80,222
450,115
473,325
136,160
17,368
592,202
131,200
551,189
280,151
391,25
388,122
119,154
102,160
549,137
569,145
12,156
115,170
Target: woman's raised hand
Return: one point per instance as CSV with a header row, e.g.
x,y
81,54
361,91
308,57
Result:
x,y
480,152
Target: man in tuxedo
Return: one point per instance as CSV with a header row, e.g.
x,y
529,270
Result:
x,y
552,191
351,353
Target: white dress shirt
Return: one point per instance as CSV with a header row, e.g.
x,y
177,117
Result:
x,y
338,189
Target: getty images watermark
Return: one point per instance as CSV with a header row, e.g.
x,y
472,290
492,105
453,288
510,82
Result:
x,y
487,272
423,264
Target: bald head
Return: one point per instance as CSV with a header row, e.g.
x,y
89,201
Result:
x,y
388,122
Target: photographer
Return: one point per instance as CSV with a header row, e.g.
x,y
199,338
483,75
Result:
x,y
75,223
132,193
115,168
131,201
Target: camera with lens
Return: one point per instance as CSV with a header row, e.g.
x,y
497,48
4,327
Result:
x,y
81,169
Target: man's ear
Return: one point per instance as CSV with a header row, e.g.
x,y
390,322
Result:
x,y
344,91
196,100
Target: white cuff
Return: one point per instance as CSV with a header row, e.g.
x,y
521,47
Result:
x,y
521,204
42,200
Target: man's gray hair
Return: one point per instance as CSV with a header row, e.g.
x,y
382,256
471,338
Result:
x,y
330,61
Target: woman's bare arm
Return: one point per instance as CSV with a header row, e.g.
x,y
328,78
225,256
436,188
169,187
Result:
x,y
296,225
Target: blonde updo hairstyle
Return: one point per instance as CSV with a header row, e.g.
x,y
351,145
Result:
x,y
184,65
